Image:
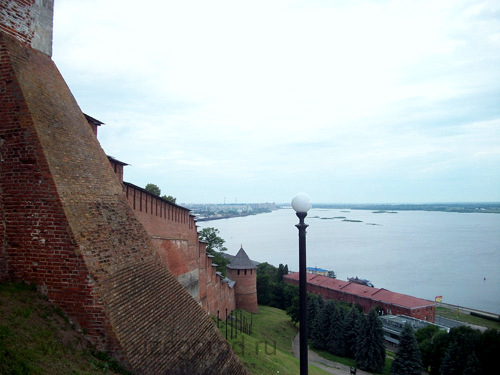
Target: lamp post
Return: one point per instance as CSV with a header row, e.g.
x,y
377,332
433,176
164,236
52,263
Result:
x,y
301,204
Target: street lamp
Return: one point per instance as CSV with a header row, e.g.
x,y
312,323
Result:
x,y
301,204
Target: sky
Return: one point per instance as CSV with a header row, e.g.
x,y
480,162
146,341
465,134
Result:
x,y
374,101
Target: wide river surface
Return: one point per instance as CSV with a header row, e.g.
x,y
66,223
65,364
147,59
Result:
x,y
420,253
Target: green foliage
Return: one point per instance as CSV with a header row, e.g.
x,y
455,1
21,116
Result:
x,y
215,246
269,348
407,361
169,198
211,237
153,189
336,343
352,324
370,353
272,290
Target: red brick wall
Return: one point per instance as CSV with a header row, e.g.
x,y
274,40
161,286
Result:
x,y
246,288
68,227
174,233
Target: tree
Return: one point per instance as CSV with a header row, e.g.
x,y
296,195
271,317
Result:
x,y
407,361
336,343
370,351
211,237
215,247
322,325
473,366
281,272
169,198
294,310
352,324
264,295
153,189
312,312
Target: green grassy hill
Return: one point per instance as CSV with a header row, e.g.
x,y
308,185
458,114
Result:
x,y
37,338
269,348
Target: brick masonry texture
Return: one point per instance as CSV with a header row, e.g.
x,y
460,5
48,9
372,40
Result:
x,y
66,226
246,288
174,233
30,21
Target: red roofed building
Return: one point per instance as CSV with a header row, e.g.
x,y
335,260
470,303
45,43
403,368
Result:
x,y
368,297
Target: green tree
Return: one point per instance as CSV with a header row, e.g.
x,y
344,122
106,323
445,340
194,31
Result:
x,y
264,295
407,361
312,312
473,366
293,310
169,198
352,323
336,343
280,273
370,351
425,338
215,247
322,325
211,237
153,189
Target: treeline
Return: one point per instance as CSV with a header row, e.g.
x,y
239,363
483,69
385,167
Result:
x,y
346,331
332,326
271,289
462,351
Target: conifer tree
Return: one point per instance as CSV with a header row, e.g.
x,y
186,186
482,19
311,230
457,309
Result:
x,y
473,366
450,365
408,360
370,352
352,324
312,312
336,343
322,326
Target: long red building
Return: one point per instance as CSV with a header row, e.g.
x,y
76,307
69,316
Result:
x,y
368,297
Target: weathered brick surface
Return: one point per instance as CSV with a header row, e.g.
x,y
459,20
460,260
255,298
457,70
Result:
x,y
246,288
174,233
66,225
30,21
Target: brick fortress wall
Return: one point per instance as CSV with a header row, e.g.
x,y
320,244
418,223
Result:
x,y
66,226
173,231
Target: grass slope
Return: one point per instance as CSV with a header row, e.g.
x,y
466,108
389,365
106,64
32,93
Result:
x,y
269,348
36,338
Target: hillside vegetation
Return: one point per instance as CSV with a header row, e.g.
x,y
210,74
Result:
x,y
268,350
37,338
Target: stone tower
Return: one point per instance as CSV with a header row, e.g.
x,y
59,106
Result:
x,y
244,272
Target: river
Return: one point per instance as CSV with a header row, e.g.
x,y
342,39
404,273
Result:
x,y
420,253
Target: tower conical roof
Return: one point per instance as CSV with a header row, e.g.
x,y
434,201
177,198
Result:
x,y
241,261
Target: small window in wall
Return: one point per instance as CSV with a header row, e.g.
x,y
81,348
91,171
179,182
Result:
x,y
245,272
238,272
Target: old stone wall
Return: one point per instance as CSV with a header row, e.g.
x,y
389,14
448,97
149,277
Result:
x,y
67,226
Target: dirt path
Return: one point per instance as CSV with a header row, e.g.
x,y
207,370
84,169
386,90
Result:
x,y
324,364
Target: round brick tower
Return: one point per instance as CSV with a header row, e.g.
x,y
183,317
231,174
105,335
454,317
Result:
x,y
244,272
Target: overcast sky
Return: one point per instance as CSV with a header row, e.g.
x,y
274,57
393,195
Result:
x,y
255,101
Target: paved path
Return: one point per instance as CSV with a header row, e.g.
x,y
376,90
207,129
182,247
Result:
x,y
324,364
